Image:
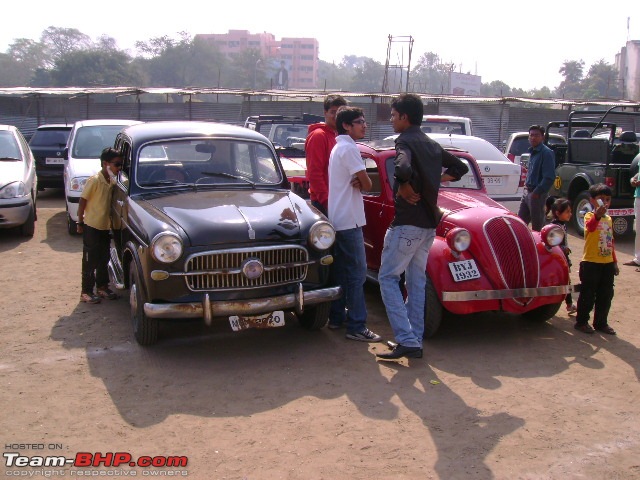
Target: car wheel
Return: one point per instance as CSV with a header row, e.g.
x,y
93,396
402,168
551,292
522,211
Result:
x,y
543,313
580,207
145,329
432,310
314,318
72,227
29,227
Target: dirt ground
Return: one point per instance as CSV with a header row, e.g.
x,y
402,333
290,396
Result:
x,y
495,397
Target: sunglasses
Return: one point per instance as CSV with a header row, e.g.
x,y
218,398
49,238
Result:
x,y
118,164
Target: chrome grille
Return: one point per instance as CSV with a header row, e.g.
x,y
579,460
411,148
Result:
x,y
222,270
514,251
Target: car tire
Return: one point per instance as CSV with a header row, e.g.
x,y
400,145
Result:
x,y
543,313
579,204
145,329
28,228
316,317
72,227
433,310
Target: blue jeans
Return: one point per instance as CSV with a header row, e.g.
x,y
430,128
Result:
x,y
350,272
406,249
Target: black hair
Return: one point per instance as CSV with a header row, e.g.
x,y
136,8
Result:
x,y
411,105
347,115
539,128
334,101
108,154
599,189
556,206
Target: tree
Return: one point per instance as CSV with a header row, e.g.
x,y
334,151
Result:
x,y
367,77
430,75
62,41
601,81
247,70
572,71
496,88
95,67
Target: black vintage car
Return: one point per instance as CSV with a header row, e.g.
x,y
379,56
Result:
x,y
205,226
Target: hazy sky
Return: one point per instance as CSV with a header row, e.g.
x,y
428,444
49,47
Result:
x,y
521,43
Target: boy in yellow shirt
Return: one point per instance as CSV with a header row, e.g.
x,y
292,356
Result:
x,y
599,265
94,223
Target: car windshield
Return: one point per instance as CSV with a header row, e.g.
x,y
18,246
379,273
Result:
x,y
206,162
286,135
50,137
8,146
446,127
521,145
89,141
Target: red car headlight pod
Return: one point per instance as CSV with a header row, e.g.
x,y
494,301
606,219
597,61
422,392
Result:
x,y
552,235
458,239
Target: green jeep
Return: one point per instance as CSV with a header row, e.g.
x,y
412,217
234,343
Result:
x,y
591,157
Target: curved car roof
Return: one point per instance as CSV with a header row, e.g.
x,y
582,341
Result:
x,y
150,131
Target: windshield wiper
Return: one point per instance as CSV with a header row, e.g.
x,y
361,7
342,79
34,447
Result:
x,y
228,175
160,183
9,159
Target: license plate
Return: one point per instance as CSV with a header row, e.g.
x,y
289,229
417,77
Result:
x,y
492,180
268,320
54,161
620,212
464,270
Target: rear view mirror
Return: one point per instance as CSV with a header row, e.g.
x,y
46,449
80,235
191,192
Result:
x,y
206,148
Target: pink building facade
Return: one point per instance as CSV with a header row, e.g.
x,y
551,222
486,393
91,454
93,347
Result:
x,y
300,55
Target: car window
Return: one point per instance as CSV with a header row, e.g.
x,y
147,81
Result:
x,y
468,181
50,137
206,161
446,127
8,146
519,146
89,141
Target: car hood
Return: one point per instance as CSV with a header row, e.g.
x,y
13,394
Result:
x,y
223,217
456,199
11,171
83,167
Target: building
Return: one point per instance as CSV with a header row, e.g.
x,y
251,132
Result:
x,y
628,65
300,55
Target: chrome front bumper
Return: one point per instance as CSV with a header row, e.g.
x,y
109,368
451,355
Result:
x,y
208,309
512,293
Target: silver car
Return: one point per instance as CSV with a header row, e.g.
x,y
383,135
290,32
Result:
x,y
18,182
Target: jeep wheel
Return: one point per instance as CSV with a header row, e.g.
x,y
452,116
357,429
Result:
x,y
543,313
316,317
145,329
432,310
580,204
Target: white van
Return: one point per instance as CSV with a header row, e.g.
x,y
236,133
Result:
x,y
446,124
82,159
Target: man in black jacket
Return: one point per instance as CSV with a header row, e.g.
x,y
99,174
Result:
x,y
418,172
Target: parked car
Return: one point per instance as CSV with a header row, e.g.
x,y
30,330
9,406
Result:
x,y
518,144
47,145
206,227
502,178
446,124
18,182
86,141
484,258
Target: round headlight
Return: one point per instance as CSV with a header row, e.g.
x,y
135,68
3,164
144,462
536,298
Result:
x,y
322,235
166,247
552,235
458,239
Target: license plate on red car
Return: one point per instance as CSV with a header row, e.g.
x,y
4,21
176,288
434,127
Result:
x,y
268,320
464,270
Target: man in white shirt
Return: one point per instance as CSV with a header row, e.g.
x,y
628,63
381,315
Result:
x,y
347,177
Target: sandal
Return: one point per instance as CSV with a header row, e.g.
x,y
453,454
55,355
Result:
x,y
605,329
584,328
89,298
107,293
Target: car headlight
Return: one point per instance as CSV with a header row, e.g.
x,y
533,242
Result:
x,y
322,235
166,247
77,184
552,235
13,190
458,239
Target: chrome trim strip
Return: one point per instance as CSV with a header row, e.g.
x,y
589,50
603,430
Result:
x,y
511,293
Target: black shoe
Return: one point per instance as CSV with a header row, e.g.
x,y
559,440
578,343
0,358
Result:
x,y
401,351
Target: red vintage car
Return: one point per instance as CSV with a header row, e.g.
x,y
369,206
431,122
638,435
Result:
x,y
484,258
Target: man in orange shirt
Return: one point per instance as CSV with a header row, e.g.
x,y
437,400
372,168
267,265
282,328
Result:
x,y
320,141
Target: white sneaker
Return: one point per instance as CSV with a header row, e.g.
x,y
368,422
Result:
x,y
365,335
